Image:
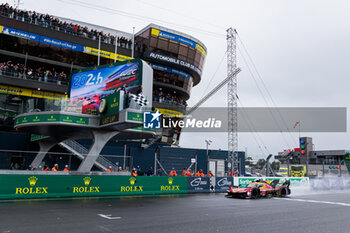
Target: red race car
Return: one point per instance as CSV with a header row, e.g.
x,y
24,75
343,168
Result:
x,y
259,189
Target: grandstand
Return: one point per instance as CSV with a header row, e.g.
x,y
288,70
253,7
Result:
x,y
40,51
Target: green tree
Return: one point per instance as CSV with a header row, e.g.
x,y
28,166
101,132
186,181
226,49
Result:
x,y
261,162
275,165
249,161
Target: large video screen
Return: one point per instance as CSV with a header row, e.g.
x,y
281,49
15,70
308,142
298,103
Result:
x,y
89,86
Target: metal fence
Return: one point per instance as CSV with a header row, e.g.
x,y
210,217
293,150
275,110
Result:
x,y
22,160
33,76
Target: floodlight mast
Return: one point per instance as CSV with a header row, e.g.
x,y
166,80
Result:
x,y
232,99
231,79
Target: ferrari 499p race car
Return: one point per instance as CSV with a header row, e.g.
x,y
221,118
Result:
x,y
259,189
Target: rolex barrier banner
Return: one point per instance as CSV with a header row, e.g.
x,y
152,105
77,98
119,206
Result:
x,y
42,186
222,184
198,184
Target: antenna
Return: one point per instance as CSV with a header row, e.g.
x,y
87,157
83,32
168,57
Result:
x,y
232,99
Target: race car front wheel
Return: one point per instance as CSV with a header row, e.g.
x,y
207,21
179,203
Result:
x,y
255,193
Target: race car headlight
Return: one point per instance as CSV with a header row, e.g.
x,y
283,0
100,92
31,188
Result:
x,y
248,193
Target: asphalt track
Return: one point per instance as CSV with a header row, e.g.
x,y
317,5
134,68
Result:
x,y
203,213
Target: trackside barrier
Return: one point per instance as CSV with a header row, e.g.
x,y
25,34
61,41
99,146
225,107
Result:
x,y
302,182
198,184
43,186
59,184
220,184
328,183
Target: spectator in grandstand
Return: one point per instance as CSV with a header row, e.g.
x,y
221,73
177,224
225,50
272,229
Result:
x,y
150,171
184,171
233,173
120,169
172,172
161,97
188,173
45,168
139,172
159,172
48,21
20,71
210,174
134,172
139,91
55,168
110,169
200,173
123,88
66,169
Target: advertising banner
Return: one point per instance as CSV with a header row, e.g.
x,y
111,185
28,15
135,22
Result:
x,y
133,116
168,112
52,118
175,61
109,108
20,34
177,38
60,43
243,181
10,90
198,184
43,186
170,70
105,54
222,184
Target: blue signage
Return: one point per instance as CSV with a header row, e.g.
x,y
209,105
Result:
x,y
170,70
21,34
42,39
177,38
60,43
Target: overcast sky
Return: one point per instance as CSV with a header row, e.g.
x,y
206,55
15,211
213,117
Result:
x,y
300,48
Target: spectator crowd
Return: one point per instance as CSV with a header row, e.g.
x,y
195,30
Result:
x,y
167,98
185,172
40,74
136,171
49,21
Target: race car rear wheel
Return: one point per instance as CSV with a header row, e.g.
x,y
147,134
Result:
x,y
255,193
283,192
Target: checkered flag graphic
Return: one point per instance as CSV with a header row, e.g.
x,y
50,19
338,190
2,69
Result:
x,y
139,99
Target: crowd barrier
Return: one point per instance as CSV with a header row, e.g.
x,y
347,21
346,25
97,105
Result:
x,y
39,185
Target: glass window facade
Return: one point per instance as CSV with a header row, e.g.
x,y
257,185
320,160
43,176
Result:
x,y
171,48
173,79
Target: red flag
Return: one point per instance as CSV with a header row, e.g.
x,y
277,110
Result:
x,y
296,123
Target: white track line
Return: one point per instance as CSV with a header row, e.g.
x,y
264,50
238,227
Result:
x,y
315,201
108,216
